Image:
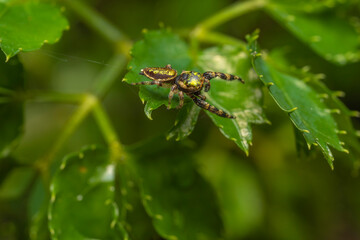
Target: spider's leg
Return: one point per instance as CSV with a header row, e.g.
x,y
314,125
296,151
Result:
x,y
228,77
207,85
181,98
171,94
201,103
148,83
198,94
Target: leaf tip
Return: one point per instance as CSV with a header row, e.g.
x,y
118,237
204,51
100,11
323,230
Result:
x,y
292,110
345,150
341,132
355,114
334,110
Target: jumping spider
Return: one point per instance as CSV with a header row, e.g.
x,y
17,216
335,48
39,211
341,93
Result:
x,y
189,82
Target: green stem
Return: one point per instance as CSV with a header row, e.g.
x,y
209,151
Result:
x,y
219,38
109,75
101,25
231,12
87,104
116,149
54,97
6,91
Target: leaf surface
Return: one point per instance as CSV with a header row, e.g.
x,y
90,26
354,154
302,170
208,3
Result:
x,y
304,106
82,202
180,202
185,122
332,37
27,25
244,101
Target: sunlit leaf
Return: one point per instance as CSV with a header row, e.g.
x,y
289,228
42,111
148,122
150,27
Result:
x,y
157,49
332,37
27,25
244,101
180,202
304,106
11,105
82,202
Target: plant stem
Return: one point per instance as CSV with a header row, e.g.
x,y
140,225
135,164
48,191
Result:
x,y
87,104
101,25
109,75
54,97
6,91
231,12
219,38
116,149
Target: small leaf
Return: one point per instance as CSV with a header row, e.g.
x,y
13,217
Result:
x,y
157,49
330,36
11,105
180,202
27,25
241,100
82,202
305,108
185,122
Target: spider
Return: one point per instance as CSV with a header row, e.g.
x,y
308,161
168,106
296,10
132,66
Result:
x,y
189,82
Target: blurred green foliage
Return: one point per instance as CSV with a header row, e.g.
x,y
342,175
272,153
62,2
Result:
x,y
214,178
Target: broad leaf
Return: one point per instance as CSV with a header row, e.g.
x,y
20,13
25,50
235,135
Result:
x,y
180,202
304,106
244,101
185,122
11,105
132,213
157,49
82,202
27,25
330,36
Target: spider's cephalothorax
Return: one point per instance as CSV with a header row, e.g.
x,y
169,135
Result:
x,y
189,82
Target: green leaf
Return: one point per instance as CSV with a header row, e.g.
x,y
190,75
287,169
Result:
x,y
185,122
16,182
241,100
330,36
82,202
27,25
180,202
304,106
11,105
157,49
132,213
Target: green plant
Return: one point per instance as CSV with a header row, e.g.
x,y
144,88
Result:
x,y
170,187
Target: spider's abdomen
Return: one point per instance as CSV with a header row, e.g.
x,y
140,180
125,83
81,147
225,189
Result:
x,y
158,73
190,81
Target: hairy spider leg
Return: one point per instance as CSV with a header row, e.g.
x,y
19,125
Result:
x,y
198,94
225,76
171,94
201,103
181,98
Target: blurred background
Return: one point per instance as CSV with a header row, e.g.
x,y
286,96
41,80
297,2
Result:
x,y
272,194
